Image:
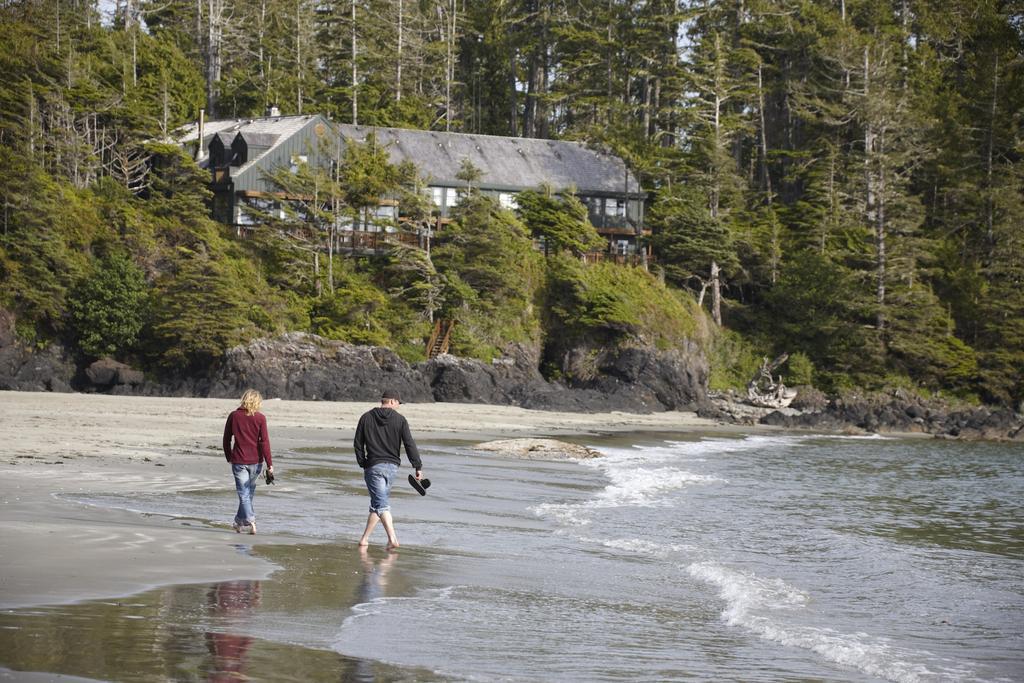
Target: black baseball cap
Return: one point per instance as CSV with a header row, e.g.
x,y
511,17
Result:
x,y
390,394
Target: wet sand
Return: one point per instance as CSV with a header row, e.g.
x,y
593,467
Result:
x,y
55,446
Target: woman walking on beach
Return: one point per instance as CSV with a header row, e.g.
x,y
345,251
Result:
x,y
247,427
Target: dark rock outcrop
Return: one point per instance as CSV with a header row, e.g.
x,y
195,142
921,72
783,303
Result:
x,y
506,381
462,380
631,379
904,413
26,369
641,378
809,399
595,379
303,366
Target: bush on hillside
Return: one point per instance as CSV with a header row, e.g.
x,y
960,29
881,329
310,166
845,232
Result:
x,y
615,304
108,307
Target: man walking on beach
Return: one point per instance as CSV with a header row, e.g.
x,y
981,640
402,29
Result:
x,y
379,437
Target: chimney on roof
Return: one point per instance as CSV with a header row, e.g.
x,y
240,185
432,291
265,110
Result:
x,y
199,133
272,110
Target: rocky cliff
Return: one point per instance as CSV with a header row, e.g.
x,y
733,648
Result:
x,y
306,367
902,412
302,366
23,368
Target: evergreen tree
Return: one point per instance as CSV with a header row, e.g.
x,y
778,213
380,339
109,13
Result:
x,y
491,274
108,307
559,220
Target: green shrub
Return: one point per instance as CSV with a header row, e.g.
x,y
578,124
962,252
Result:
x,y
617,304
799,370
108,307
490,278
350,315
734,361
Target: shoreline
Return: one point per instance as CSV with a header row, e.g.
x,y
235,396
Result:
x,y
60,551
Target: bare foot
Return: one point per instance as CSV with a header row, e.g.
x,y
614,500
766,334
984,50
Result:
x,y
393,545
363,543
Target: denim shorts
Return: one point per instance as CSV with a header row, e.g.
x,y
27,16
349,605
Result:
x,y
379,479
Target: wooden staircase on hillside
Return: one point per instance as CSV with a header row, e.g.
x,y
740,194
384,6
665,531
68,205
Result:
x,y
440,338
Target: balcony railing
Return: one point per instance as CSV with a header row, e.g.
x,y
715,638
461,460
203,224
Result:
x,y
619,259
366,242
359,241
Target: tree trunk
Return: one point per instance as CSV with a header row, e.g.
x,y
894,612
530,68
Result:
x,y
299,71
646,116
214,36
398,60
766,179
355,72
330,257
880,238
716,294
657,108
316,273
451,24
530,112
513,93
131,24
260,39
989,163
874,211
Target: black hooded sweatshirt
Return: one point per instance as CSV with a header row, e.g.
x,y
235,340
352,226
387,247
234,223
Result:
x,y
379,437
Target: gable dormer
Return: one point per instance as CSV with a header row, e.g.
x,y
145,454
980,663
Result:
x,y
218,153
239,151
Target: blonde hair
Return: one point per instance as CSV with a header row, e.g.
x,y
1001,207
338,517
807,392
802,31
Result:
x,y
251,401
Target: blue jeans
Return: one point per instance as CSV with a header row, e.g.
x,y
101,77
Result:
x,y
245,486
379,478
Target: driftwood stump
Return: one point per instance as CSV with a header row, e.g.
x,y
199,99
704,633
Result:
x,y
764,390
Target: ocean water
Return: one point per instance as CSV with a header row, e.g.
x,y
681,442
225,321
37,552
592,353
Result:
x,y
782,557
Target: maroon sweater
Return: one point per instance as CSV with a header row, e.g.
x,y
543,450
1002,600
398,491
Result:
x,y
252,442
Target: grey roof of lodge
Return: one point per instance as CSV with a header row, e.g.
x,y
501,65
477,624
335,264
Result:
x,y
506,163
266,140
277,125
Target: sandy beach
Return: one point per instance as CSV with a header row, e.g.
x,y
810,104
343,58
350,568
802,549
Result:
x,y
57,445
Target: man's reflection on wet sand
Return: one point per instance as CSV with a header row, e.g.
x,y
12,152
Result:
x,y
372,585
374,580
229,602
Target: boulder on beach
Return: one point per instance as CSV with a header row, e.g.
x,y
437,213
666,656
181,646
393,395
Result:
x,y
538,449
107,372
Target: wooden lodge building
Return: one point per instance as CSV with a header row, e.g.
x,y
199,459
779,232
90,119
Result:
x,y
240,154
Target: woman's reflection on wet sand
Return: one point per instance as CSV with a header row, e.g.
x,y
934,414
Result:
x,y
230,601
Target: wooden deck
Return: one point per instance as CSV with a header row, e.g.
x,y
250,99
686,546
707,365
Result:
x,y
362,242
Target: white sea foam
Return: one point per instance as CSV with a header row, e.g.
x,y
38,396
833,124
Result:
x,y
696,451
639,546
568,514
377,605
644,487
635,479
631,486
760,605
